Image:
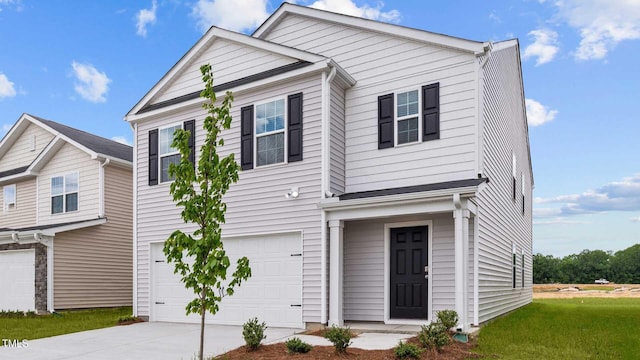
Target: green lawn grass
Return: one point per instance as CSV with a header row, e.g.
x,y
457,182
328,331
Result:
x,y
29,328
578,328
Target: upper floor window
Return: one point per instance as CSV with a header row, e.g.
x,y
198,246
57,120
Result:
x,y
270,132
64,193
407,117
522,192
168,154
9,193
513,174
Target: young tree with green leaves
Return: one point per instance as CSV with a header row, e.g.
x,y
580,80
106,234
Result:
x,y
200,258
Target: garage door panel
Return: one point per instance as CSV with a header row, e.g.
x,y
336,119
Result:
x,y
17,280
275,285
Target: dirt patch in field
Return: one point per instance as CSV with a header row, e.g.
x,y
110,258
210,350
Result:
x,y
455,351
567,291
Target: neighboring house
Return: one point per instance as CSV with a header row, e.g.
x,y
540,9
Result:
x,y
386,173
66,220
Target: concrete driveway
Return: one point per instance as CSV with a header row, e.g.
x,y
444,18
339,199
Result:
x,y
138,341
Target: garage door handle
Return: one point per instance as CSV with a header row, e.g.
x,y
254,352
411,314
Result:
x,y
296,305
296,254
159,302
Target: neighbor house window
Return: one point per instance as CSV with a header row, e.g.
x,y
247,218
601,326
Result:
x,y
270,132
522,270
9,193
407,113
64,193
513,173
522,192
514,258
168,154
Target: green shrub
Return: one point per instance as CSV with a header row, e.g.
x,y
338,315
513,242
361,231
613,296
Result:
x,y
434,336
340,337
253,333
406,351
448,318
16,314
295,345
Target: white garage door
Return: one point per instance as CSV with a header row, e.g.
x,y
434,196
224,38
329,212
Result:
x,y
273,293
17,280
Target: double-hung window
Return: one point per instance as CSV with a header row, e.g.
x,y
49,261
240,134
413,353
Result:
x,y
407,113
9,194
270,132
514,258
64,193
168,154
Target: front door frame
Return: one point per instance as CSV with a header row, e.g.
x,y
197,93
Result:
x,y
387,269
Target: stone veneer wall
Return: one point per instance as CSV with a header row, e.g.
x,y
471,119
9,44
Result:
x,y
40,282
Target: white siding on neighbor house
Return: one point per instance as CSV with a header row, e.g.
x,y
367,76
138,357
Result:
x,y
336,131
364,270
67,160
24,212
501,221
228,59
382,64
256,204
20,153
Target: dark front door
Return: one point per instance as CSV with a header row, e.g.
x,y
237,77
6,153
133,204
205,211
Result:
x,y
408,269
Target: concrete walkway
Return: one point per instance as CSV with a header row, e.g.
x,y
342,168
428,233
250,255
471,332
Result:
x,y
167,341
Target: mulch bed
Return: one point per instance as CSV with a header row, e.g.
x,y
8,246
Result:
x,y
455,351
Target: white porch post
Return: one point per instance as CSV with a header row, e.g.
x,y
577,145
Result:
x,y
336,268
461,236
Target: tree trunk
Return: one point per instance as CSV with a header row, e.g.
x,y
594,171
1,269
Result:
x,y
203,312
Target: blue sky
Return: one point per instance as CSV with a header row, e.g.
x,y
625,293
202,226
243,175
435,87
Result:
x,y
86,63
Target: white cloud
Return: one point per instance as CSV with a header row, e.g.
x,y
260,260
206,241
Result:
x,y
602,24
146,17
7,88
635,219
623,195
348,7
5,129
235,15
92,85
494,16
121,140
17,4
538,114
544,46
559,221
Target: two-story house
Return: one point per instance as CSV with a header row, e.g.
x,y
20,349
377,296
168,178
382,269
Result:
x,y
386,173
66,223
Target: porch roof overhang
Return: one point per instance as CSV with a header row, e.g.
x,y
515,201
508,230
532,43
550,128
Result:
x,y
428,198
34,234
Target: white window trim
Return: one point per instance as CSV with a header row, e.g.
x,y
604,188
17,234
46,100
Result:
x,y
64,193
256,136
160,156
396,118
6,204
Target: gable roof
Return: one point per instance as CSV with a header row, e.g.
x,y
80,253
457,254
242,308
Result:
x,y
93,142
303,57
394,30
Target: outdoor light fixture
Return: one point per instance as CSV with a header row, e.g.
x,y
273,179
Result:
x,y
293,193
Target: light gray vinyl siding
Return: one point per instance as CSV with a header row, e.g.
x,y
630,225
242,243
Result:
x,y
228,59
24,212
364,270
501,221
382,64
70,159
20,153
337,145
256,204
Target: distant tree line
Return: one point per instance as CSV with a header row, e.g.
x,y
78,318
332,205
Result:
x,y
623,267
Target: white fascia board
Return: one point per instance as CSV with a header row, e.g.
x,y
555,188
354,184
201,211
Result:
x,y
307,70
99,156
204,42
11,136
27,174
63,228
30,236
390,29
335,204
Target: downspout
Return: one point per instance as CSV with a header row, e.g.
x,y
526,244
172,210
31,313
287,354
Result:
x,y
134,127
326,153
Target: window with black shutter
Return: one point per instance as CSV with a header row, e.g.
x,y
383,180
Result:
x,y
294,112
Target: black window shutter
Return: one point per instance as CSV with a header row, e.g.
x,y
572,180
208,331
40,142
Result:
x,y
246,137
431,112
153,157
385,121
191,127
295,126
